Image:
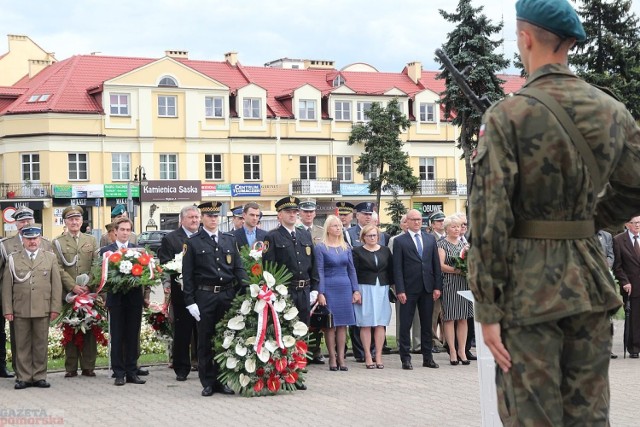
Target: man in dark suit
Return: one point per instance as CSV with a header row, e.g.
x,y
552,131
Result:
x,y
212,271
249,233
345,212
125,316
418,280
626,268
184,325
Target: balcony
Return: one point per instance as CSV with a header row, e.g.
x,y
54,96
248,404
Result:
x,y
440,187
25,190
328,186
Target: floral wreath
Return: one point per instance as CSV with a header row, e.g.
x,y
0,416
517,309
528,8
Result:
x,y
259,344
125,269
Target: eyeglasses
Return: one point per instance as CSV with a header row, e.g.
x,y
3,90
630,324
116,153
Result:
x,y
635,223
414,219
464,224
371,236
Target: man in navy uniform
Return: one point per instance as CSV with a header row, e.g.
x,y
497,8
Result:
x,y
212,271
345,212
237,217
292,247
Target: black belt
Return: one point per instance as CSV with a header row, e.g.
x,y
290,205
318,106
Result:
x,y
216,289
300,284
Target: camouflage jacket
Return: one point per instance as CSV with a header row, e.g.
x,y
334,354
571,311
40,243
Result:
x,y
527,168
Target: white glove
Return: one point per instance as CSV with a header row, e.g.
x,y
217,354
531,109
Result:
x,y
195,312
313,297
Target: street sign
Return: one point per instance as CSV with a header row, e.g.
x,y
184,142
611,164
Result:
x,y
7,214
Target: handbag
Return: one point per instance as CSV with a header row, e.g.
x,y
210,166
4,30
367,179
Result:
x,y
393,298
321,317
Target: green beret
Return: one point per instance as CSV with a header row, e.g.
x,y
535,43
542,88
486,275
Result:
x,y
118,210
555,16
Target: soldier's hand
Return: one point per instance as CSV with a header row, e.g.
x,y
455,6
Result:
x,y
53,316
194,311
402,298
77,289
491,335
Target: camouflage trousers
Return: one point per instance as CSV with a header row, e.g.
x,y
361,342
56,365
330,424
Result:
x,y
559,374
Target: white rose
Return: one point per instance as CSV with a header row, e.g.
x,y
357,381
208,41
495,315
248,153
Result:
x,y
250,365
288,341
269,279
232,362
279,305
227,341
300,329
236,323
282,290
244,380
245,307
241,350
291,313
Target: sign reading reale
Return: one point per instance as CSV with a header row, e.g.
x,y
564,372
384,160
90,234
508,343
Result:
x,y
170,191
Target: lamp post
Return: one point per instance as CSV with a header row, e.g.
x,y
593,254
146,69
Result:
x,y
140,176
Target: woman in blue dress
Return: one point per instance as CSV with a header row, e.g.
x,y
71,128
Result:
x,y
338,288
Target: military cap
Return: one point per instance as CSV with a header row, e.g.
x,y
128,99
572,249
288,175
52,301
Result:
x,y
109,227
286,203
31,232
237,211
118,210
308,205
210,208
345,208
436,216
555,16
72,211
22,212
365,207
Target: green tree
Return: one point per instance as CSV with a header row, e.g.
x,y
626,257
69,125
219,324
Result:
x,y
471,44
395,208
383,153
610,57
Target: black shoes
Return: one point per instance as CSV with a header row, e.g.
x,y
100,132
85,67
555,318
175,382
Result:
x,y
300,386
407,365
429,363
20,385
386,350
181,377
614,356
224,389
4,373
454,362
470,356
118,381
41,384
88,373
318,360
360,359
142,372
207,391
633,355
134,379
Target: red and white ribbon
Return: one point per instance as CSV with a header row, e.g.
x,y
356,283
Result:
x,y
268,296
105,270
84,302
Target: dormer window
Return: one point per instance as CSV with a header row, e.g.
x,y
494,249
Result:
x,y
338,81
167,81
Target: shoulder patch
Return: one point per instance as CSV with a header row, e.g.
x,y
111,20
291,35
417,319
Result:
x,y
265,246
184,249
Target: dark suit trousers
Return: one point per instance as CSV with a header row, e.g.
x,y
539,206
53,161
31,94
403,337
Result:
x,y
633,343
212,308
125,336
424,304
300,298
184,328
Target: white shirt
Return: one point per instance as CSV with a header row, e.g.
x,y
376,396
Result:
x,y
413,237
631,236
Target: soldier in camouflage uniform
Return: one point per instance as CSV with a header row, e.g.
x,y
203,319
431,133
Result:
x,y
542,285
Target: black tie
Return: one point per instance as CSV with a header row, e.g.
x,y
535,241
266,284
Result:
x,y
636,246
213,237
293,236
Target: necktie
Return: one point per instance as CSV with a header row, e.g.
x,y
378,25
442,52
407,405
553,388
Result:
x,y
293,236
418,243
213,237
33,255
636,246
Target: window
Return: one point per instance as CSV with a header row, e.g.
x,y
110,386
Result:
x,y
251,167
167,106
343,110
213,106
120,167
338,81
167,81
307,109
373,173
168,166
38,98
77,166
345,168
251,108
427,112
308,167
119,104
31,167
213,166
427,168
363,108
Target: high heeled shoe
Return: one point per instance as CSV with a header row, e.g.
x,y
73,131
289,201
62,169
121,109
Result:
x,y
464,361
454,362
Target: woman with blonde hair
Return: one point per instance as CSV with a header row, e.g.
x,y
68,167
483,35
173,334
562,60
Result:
x,y
338,288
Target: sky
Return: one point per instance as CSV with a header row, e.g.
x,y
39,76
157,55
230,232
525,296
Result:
x,y
385,34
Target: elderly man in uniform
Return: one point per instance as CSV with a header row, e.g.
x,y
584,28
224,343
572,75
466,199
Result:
x,y
76,252
541,282
118,211
289,246
31,297
212,272
237,217
184,325
23,217
345,213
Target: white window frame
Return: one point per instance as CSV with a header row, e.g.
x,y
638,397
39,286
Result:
x,y
120,166
338,81
363,107
254,171
30,167
75,161
344,168
427,168
307,109
427,112
167,160
308,167
214,107
167,81
165,109
342,111
251,108
372,173
119,104
210,172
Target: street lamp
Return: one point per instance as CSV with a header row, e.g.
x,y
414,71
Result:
x,y
140,176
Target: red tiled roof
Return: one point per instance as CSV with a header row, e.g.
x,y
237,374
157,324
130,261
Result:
x,y
11,91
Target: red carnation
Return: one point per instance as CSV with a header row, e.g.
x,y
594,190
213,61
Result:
x,y
260,372
144,259
137,269
258,386
256,269
115,257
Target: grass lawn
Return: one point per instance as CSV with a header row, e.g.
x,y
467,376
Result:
x,y
102,362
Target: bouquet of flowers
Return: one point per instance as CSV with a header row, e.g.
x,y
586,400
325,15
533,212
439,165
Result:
x,y
174,267
158,318
125,269
81,314
460,262
259,344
